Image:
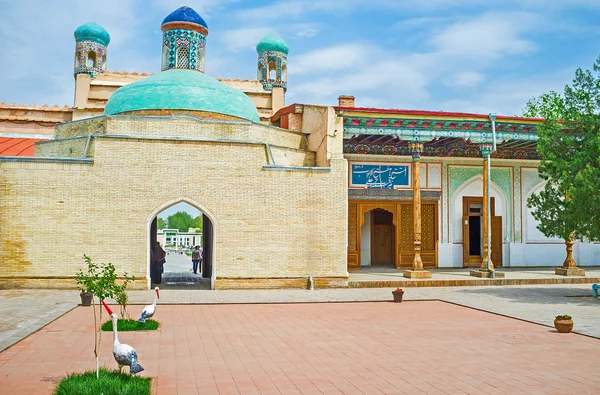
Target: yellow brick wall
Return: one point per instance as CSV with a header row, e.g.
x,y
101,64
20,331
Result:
x,y
267,223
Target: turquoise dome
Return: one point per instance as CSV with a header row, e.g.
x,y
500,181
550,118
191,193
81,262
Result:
x,y
272,43
92,32
180,89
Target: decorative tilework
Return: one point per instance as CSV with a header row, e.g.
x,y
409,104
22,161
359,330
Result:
x,y
452,149
427,135
517,201
267,60
192,41
82,50
445,202
458,175
390,194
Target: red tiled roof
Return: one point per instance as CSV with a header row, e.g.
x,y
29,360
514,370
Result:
x,y
10,146
429,113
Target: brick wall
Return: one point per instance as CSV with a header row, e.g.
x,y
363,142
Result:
x,y
268,224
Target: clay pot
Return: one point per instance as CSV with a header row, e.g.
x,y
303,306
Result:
x,y
397,296
563,325
86,298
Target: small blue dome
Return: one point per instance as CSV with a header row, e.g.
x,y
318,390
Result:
x,y
185,14
92,32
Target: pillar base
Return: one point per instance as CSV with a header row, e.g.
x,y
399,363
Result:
x,y
416,273
484,273
569,271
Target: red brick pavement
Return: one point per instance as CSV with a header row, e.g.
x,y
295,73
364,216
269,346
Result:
x,y
341,348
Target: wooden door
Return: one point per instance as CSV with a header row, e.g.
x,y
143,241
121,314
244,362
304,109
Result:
x,y
497,241
382,237
465,226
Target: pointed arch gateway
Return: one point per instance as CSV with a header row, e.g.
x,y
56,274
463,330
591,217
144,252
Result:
x,y
207,241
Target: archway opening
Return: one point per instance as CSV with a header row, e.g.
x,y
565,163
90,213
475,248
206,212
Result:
x,y
378,235
181,244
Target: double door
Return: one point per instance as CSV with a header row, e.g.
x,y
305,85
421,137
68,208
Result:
x,y
472,223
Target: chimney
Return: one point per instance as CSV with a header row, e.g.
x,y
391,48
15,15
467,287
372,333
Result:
x,y
346,101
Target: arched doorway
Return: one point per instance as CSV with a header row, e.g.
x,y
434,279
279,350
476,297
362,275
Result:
x,y
378,238
175,230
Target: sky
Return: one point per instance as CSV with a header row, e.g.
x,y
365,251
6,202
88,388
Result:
x,y
194,212
445,55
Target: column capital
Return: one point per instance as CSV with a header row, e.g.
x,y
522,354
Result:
x,y
485,149
415,148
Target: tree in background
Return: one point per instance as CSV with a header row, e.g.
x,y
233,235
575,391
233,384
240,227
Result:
x,y
161,223
197,223
180,220
569,147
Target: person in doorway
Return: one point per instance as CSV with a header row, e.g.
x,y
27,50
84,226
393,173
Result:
x,y
159,261
196,258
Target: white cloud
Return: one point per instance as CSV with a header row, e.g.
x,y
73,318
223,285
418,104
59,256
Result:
x,y
488,36
337,57
466,79
245,38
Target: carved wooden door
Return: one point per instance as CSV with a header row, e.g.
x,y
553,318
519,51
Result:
x,y
382,238
465,227
497,240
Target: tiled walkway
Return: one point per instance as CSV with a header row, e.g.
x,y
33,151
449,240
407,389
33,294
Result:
x,y
349,348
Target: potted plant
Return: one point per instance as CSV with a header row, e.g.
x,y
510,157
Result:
x,y
398,293
563,323
87,281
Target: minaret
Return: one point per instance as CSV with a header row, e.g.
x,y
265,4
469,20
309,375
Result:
x,y
184,39
272,62
91,41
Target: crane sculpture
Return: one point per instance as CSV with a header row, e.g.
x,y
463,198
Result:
x,y
149,310
124,354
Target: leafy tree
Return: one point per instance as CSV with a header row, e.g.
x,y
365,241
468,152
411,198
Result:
x,y
180,220
161,223
569,148
197,223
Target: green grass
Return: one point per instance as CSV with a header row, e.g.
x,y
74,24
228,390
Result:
x,y
131,325
110,383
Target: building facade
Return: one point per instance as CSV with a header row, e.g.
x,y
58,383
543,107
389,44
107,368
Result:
x,y
287,192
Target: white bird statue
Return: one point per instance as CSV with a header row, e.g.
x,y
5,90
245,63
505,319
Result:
x,y
124,354
149,310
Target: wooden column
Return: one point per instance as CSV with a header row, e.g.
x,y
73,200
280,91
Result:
x,y
417,268
416,149
485,150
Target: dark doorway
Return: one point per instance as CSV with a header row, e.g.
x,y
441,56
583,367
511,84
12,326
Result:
x,y
474,235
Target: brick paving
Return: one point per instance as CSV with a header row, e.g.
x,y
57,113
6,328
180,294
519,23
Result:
x,y
427,347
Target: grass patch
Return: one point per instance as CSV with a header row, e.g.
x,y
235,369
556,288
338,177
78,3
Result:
x,y
109,383
131,325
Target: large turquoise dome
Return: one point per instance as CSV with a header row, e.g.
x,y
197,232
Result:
x,y
272,43
181,89
92,32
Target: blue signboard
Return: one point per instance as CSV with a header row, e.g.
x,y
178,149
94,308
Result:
x,y
380,176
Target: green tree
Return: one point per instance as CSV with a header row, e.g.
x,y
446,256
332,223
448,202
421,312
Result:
x,y
569,148
161,223
180,220
197,223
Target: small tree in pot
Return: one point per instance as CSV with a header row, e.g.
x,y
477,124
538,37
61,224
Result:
x,y
87,281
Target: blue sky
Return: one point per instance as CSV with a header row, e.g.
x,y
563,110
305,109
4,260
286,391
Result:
x,y
452,55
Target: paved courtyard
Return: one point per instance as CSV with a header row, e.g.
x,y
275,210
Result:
x,y
426,347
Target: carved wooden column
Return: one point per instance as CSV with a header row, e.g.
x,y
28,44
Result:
x,y
485,150
416,148
486,270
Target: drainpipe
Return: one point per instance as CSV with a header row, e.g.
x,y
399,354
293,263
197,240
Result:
x,y
489,202
311,282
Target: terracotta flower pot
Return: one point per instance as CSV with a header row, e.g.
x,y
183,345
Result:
x,y
563,325
86,298
397,296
